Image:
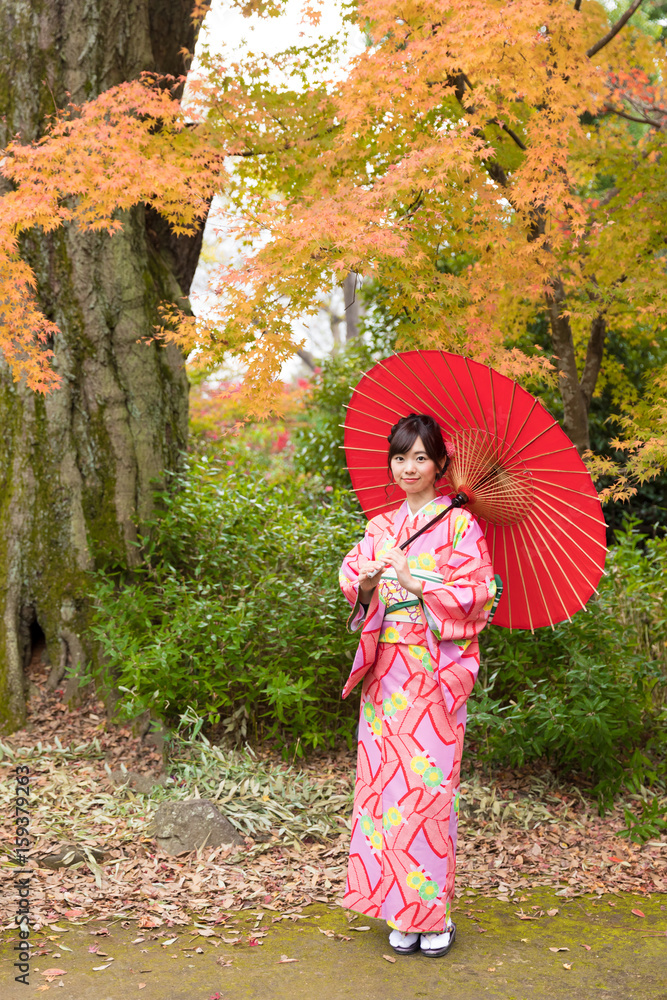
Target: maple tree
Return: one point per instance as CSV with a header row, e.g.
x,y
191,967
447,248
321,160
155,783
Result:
x,y
484,162
91,166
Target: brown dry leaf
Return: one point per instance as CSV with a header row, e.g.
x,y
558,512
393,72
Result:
x,y
567,965
141,986
552,913
364,928
53,973
638,913
284,960
586,946
555,832
389,958
491,968
559,949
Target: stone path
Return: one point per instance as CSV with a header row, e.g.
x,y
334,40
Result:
x,y
511,958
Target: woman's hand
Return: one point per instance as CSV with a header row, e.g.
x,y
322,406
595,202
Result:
x,y
397,558
370,571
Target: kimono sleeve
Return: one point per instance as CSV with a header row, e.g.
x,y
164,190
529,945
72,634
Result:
x,y
458,607
349,580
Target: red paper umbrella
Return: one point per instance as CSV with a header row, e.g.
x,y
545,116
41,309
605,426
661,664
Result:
x,y
520,473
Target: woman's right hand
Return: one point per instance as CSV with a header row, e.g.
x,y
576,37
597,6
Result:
x,y
370,571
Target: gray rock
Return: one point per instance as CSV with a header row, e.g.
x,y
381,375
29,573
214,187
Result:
x,y
187,826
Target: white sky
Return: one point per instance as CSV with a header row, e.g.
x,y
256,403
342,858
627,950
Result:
x,y
226,31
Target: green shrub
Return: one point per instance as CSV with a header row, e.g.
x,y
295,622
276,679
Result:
x,y
587,696
236,611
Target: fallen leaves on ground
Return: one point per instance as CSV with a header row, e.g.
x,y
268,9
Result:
x,y
519,831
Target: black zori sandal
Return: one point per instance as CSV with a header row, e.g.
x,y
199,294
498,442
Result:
x,y
437,945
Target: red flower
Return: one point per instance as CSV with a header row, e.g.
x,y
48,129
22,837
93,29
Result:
x,y
281,442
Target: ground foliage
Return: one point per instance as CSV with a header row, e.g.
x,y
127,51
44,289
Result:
x,y
520,829
590,695
235,610
236,614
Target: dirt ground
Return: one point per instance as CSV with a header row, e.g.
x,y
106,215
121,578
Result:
x,y
542,949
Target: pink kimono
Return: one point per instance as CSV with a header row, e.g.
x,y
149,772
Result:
x,y
418,661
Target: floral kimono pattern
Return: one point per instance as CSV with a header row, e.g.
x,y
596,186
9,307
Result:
x,y
418,660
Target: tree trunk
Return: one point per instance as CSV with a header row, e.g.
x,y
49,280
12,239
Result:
x,y
78,466
576,394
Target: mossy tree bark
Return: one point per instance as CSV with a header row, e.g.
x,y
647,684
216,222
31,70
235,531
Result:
x,y
78,467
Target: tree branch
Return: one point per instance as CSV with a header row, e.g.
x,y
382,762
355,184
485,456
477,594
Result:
x,y
633,118
614,30
308,358
608,196
512,135
351,305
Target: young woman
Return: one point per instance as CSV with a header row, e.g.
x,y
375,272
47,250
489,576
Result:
x,y
420,612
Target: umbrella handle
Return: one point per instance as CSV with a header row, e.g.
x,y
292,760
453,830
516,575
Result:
x,y
459,500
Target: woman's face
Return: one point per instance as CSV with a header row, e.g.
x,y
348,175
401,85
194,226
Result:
x,y
414,471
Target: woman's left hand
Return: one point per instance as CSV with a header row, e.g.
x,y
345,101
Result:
x,y
397,558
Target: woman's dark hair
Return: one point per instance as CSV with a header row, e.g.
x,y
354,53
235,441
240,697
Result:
x,y
408,429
